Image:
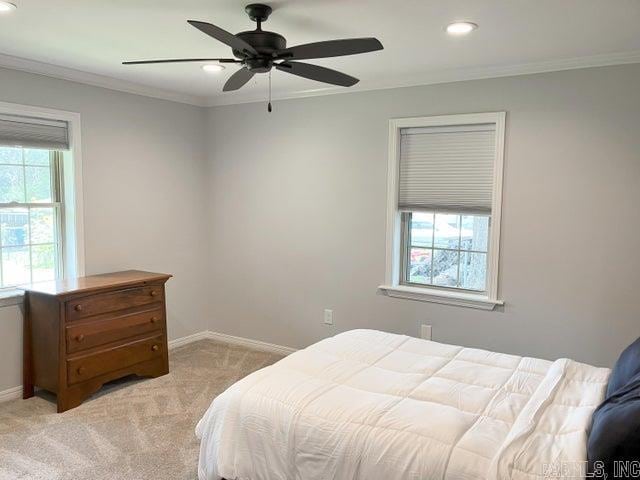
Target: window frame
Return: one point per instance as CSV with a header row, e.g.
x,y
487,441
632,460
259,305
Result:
x,y
71,228
394,285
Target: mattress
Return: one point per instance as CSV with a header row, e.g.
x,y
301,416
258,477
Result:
x,y
373,405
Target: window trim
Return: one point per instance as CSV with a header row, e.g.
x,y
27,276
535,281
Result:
x,y
393,286
72,218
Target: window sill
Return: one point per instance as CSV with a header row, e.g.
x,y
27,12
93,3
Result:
x,y
11,297
460,299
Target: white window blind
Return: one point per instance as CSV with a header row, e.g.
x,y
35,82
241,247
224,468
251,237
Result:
x,y
447,168
31,132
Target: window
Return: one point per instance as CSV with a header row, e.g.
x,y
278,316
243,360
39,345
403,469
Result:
x,y
41,234
30,215
444,199
445,250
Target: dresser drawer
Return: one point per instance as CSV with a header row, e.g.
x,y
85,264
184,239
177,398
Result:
x,y
112,301
81,336
89,366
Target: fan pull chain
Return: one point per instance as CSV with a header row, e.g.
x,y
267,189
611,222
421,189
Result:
x,y
269,105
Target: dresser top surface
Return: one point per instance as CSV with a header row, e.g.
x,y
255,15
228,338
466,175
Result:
x,y
95,282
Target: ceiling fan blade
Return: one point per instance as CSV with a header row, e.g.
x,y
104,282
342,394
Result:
x,y
183,60
321,74
238,79
223,36
330,48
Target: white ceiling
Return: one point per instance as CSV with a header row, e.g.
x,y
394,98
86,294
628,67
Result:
x,y
93,37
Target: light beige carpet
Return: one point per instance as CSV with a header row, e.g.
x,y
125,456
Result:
x,y
132,429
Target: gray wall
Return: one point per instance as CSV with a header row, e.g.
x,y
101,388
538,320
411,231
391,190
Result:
x,y
285,214
298,215
144,195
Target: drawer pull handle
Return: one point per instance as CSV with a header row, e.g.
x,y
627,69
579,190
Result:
x,y
153,293
78,308
80,338
155,348
80,370
154,319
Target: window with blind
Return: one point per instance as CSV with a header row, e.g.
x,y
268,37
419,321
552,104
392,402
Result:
x,y
31,200
444,206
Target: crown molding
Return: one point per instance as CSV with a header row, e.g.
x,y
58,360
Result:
x,y
103,81
443,76
248,96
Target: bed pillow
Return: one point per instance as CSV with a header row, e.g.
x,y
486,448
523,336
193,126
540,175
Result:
x,y
615,431
615,428
627,367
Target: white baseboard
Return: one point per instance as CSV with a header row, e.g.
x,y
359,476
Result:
x,y
251,343
179,342
223,337
14,393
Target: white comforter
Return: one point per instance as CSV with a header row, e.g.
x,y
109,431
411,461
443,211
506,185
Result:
x,y
370,405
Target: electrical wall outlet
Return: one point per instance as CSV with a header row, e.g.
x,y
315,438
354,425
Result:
x,y
328,317
425,332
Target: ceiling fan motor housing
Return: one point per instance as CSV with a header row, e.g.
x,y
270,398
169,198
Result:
x,y
265,43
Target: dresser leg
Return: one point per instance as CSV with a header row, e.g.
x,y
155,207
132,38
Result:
x,y
62,402
27,390
68,400
27,376
27,361
165,363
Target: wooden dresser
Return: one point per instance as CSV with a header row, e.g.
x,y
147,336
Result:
x,y
83,332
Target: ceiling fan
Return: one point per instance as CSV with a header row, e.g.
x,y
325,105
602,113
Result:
x,y
258,51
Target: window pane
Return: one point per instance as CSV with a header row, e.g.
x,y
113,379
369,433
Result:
x,y
420,265
44,261
15,266
29,247
11,184
475,233
36,157
445,268
421,229
14,224
473,271
11,155
456,254
38,184
447,233
42,225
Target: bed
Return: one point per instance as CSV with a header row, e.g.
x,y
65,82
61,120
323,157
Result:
x,y
373,405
